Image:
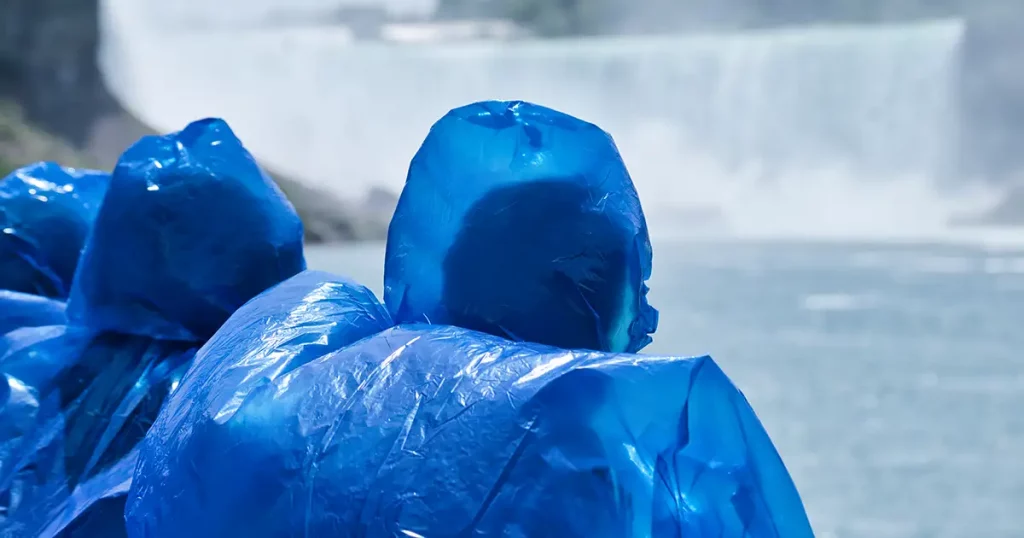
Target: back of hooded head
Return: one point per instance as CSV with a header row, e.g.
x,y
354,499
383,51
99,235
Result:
x,y
190,229
522,222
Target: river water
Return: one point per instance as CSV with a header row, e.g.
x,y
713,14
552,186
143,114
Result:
x,y
891,377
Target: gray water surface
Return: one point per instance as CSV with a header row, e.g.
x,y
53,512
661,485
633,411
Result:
x,y
891,378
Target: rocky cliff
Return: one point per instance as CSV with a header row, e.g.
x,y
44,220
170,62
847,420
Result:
x,y
1010,212
1007,212
54,106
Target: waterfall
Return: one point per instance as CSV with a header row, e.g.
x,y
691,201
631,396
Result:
x,y
764,127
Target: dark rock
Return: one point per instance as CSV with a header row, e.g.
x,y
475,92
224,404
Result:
x,y
1009,211
991,88
54,106
21,143
379,199
330,219
48,50
327,218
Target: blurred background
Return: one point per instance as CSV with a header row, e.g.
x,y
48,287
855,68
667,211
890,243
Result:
x,y
835,188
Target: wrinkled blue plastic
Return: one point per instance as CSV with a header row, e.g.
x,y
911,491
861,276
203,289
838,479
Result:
x,y
19,310
302,319
46,212
299,320
191,229
85,401
440,431
522,222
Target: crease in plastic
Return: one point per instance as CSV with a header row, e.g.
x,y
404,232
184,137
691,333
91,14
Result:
x,y
442,431
18,310
298,321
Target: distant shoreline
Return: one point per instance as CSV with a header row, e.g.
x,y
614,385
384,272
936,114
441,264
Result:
x,y
326,218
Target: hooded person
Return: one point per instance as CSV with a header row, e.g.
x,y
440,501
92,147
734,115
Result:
x,y
46,212
532,419
523,222
189,230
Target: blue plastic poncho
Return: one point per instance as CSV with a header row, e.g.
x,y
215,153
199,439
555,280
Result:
x,y
46,212
19,310
440,431
443,431
304,318
189,231
204,228
520,221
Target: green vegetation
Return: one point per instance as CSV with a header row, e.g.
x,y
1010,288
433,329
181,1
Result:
x,y
22,144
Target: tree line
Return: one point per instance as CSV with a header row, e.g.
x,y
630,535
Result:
x,y
554,18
